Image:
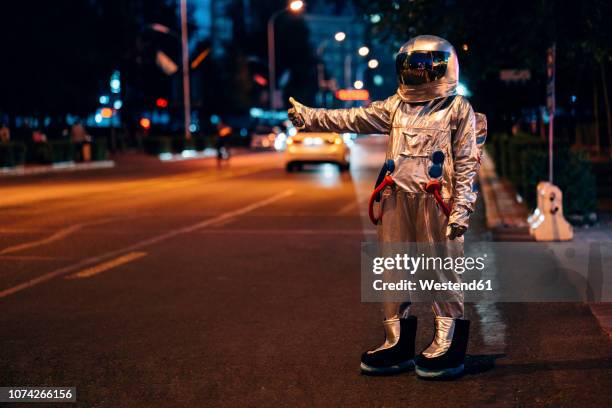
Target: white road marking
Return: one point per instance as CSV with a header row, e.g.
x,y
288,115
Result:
x,y
350,206
105,266
30,258
53,237
141,244
56,236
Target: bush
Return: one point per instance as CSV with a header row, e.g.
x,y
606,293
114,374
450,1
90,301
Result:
x,y
99,149
515,166
12,154
157,145
179,144
500,140
524,161
61,151
203,142
39,153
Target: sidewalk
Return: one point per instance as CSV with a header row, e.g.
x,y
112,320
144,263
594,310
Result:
x,y
506,217
28,170
119,159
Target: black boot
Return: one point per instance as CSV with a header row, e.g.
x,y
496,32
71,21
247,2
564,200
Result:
x,y
444,358
397,352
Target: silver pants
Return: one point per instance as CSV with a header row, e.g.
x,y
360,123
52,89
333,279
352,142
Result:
x,y
415,217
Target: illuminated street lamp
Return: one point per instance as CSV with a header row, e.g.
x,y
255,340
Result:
x,y
340,36
358,84
363,51
373,63
294,6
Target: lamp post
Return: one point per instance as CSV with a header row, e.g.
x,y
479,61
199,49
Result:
x,y
294,6
185,55
160,28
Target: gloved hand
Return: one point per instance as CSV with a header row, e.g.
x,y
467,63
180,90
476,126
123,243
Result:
x,y
294,116
455,231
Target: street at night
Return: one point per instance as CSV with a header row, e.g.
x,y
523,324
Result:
x,y
305,203
181,284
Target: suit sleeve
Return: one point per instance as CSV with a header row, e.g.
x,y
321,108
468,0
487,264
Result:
x,y
376,118
466,155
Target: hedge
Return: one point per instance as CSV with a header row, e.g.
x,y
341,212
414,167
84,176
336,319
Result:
x,y
523,160
157,145
99,149
12,154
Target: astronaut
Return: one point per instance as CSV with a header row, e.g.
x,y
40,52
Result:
x,y
433,135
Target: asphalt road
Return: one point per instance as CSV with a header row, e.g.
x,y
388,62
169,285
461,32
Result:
x,y
182,284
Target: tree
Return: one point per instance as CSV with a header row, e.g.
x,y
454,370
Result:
x,y
502,35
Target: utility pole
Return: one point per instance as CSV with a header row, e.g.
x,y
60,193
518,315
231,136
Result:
x,y
185,55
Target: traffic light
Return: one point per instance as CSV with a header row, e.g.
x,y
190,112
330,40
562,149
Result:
x,y
161,103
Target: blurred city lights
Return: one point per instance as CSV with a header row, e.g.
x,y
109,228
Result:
x,y
358,84
160,28
340,36
214,119
373,63
115,82
375,18
161,103
296,5
353,94
104,99
378,80
118,104
145,123
193,127
464,47
363,51
106,112
98,118
462,90
260,80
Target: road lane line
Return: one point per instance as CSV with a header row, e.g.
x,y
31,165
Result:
x,y
349,207
64,232
105,266
56,236
30,258
142,244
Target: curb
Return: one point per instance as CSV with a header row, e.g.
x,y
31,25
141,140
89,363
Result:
x,y
55,168
506,218
603,313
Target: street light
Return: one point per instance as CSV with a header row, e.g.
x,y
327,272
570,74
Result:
x,y
373,63
185,52
363,51
358,84
340,36
294,6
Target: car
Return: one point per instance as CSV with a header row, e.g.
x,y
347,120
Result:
x,y
312,148
267,138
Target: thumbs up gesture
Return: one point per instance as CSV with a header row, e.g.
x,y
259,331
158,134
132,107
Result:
x,y
294,113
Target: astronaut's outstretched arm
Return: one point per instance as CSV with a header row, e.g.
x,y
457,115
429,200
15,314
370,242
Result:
x,y
376,118
465,156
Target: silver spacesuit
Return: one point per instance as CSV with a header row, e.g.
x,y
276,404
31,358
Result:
x,y
432,135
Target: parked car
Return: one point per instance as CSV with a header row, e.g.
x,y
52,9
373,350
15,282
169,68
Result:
x,y
313,148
